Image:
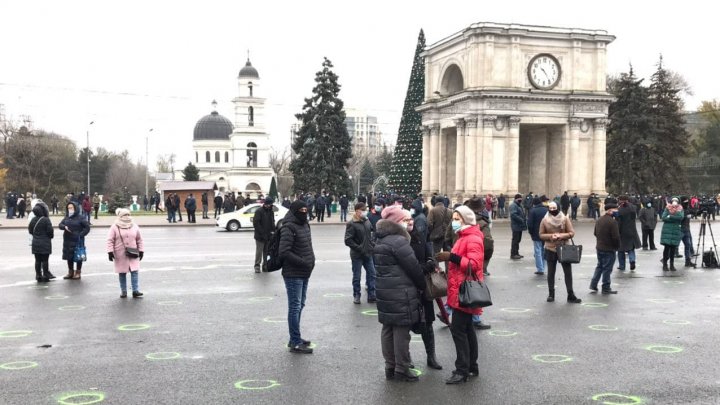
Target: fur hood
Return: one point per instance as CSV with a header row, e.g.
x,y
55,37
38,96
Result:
x,y
386,228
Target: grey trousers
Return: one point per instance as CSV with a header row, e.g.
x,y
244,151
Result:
x,y
395,341
260,254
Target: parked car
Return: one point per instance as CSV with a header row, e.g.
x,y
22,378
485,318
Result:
x,y
242,218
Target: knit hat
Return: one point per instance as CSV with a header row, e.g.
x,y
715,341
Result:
x,y
269,201
476,204
121,212
611,203
124,220
467,215
395,213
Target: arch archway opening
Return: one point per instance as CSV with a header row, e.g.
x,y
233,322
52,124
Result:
x,y
452,81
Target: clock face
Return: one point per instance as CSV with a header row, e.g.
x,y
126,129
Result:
x,y
544,71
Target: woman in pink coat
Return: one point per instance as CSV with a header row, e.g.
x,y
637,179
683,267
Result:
x,y
125,234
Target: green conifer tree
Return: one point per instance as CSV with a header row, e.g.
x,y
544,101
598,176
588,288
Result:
x,y
191,172
273,189
322,145
406,171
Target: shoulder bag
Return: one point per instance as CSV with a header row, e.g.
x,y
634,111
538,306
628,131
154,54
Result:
x,y
130,252
436,285
569,253
32,235
473,292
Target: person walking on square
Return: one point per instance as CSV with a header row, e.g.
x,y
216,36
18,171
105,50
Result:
x,y
439,220
671,233
218,203
629,239
204,201
648,222
320,208
298,261
686,235
170,208
190,207
399,282
328,203
264,226
565,203
74,228
125,234
96,204
358,237
54,204
176,205
518,224
574,205
468,251
555,230
343,208
501,206
41,229
537,213
607,235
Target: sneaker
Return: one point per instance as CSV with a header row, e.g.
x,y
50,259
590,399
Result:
x,y
593,289
632,266
301,348
539,273
123,294
480,325
137,294
303,342
515,257
606,292
356,299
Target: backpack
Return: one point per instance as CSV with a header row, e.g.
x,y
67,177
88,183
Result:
x,y
709,260
273,261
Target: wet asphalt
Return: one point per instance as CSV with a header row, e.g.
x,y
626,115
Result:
x,y
211,331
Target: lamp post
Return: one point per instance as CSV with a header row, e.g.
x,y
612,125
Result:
x,y
147,163
87,151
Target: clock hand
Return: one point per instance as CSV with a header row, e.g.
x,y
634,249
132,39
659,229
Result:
x,y
546,75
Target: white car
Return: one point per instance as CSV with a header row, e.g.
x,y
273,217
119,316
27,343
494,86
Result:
x,y
242,218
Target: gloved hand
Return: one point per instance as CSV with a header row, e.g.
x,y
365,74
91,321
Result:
x,y
111,256
142,254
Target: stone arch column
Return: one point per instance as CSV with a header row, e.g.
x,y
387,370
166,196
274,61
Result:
x,y
470,155
513,154
460,158
599,155
426,152
485,154
434,158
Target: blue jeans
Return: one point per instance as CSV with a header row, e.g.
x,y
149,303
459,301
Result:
x,y
475,318
133,281
606,260
357,265
10,212
343,214
621,258
296,288
687,242
539,248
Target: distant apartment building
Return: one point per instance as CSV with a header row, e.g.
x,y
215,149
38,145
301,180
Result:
x,y
365,135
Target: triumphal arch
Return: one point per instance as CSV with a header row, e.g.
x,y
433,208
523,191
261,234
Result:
x,y
515,108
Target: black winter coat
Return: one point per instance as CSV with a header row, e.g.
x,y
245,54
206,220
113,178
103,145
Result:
x,y
296,250
41,229
629,239
358,237
518,222
78,226
190,204
264,224
537,213
424,255
399,278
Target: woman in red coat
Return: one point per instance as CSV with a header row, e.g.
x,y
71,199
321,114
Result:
x,y
467,251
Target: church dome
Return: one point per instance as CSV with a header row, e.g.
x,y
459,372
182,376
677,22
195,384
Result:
x,y
248,71
213,127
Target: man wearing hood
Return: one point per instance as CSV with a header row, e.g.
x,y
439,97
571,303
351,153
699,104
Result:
x,y
41,229
264,225
358,237
298,261
74,228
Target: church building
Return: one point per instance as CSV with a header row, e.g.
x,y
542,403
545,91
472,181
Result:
x,y
236,156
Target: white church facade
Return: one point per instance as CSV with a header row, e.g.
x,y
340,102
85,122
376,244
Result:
x,y
236,156
515,108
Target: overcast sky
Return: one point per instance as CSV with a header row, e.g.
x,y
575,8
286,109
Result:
x,y
135,65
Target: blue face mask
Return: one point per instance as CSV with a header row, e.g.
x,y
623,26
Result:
x,y
378,208
616,214
456,225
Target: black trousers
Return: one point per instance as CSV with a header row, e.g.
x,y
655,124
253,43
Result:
x,y
648,234
42,266
669,253
191,215
573,213
515,244
70,265
320,214
466,343
552,261
96,208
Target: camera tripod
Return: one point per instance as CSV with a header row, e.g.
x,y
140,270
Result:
x,y
705,225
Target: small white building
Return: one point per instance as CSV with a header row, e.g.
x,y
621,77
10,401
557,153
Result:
x,y
236,157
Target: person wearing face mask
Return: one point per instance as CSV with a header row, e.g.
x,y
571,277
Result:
x,y
555,230
74,228
468,251
358,237
298,261
671,233
518,224
399,284
125,234
41,229
629,239
648,222
607,235
344,208
375,214
537,213
264,226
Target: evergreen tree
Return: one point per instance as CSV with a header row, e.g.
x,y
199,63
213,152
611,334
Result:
x,y
367,176
118,200
273,189
191,172
669,139
406,171
322,145
628,169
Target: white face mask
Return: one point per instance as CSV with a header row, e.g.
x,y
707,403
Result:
x,y
412,211
404,225
674,203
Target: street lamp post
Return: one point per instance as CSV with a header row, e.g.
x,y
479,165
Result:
x,y
147,163
87,151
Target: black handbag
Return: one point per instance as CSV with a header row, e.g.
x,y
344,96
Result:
x,y
569,253
130,252
420,326
473,292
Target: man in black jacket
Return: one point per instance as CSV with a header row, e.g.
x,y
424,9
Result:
x,y
574,205
177,207
204,202
190,207
358,237
344,208
264,224
298,262
629,239
218,201
565,203
607,234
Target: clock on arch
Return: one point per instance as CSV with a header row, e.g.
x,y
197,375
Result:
x,y
544,71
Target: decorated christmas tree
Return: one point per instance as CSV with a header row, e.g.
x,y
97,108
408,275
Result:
x,y
406,171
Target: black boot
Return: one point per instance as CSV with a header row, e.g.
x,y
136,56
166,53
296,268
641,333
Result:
x,y
551,295
688,263
665,266
672,265
429,341
572,299
38,275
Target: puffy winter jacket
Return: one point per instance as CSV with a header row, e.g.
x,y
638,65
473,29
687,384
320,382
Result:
x,y
296,250
399,278
78,227
358,237
518,222
671,230
537,213
41,229
470,250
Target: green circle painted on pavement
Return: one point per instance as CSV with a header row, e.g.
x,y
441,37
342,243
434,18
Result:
x,y
81,398
612,399
664,349
256,384
133,327
334,295
260,299
163,356
370,312
660,300
675,282
310,346
416,371
594,304
71,308
39,287
515,310
502,333
56,297
676,322
15,333
169,303
18,365
604,328
274,319
551,358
